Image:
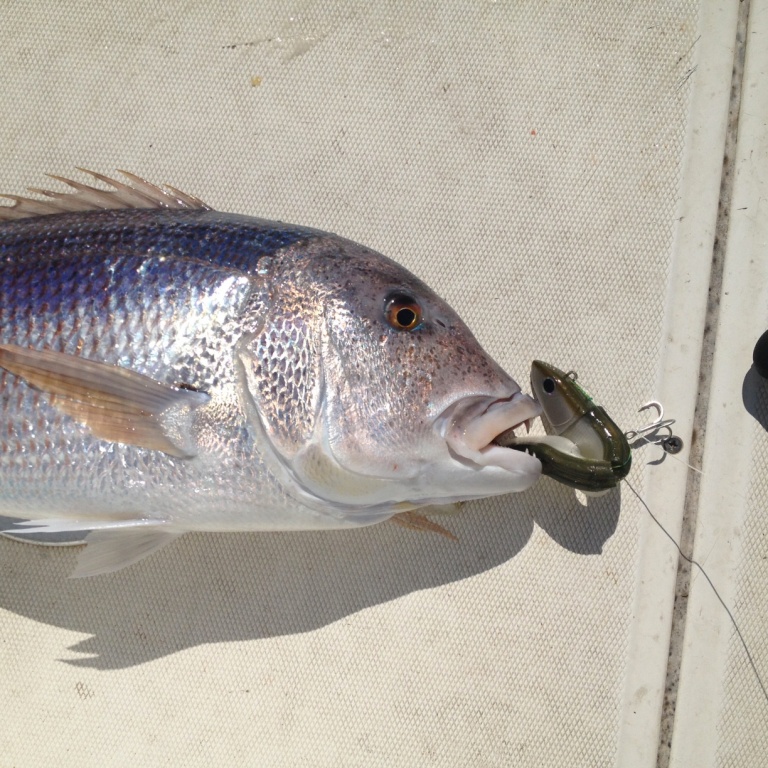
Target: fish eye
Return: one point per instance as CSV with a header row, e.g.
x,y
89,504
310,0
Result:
x,y
403,312
548,385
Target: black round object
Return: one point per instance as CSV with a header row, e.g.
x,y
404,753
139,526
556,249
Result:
x,y
672,444
760,355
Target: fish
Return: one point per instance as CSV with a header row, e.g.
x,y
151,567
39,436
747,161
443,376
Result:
x,y
167,368
584,448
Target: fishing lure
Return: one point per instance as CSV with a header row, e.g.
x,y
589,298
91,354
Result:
x,y
583,448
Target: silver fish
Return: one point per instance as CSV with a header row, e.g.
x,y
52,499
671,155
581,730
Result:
x,y
167,368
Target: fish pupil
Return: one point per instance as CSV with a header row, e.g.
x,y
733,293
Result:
x,y
549,386
406,317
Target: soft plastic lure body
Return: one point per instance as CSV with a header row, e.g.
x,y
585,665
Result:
x,y
583,448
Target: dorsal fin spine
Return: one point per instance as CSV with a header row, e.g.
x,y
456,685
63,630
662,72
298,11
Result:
x,y
138,194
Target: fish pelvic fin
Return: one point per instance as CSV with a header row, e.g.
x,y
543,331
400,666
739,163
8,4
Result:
x,y
418,522
115,403
138,194
112,549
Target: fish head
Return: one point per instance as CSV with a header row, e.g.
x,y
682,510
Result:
x,y
380,395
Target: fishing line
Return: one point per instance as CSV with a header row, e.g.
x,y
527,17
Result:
x,y
701,472
709,581
649,434
570,408
685,464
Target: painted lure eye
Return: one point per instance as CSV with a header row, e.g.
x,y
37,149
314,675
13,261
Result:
x,y
403,312
548,385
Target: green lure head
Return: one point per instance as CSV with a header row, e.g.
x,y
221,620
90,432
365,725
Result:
x,y
563,401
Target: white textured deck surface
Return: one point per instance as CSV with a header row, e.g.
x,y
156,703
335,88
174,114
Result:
x,y
553,170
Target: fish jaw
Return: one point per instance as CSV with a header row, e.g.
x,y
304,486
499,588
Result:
x,y
459,461
470,427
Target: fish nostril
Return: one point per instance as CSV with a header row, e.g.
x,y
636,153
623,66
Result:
x,y
440,322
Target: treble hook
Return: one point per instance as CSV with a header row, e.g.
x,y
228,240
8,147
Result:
x,y
671,443
655,424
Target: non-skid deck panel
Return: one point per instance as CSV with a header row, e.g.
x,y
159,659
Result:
x,y
722,712
553,171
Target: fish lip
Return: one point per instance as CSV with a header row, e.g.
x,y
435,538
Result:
x,y
470,427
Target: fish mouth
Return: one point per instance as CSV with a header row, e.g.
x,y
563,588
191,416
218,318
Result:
x,y
472,425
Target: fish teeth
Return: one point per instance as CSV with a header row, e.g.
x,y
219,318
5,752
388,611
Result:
x,y
527,424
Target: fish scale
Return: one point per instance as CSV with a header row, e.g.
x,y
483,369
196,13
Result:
x,y
84,297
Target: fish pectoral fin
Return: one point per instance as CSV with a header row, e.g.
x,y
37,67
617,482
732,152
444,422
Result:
x,y
115,403
418,522
111,549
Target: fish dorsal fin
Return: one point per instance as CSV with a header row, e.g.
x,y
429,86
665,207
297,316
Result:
x,y
138,194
